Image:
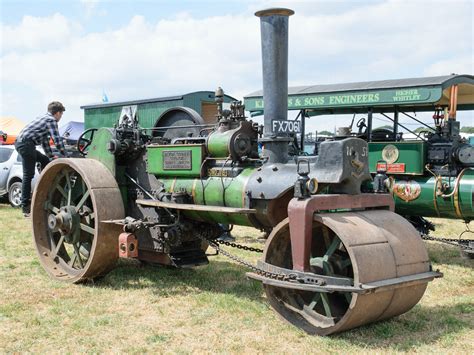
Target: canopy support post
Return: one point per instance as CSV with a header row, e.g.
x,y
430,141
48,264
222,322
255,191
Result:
x,y
303,119
369,124
395,123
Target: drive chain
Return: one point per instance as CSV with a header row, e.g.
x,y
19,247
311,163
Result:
x,y
268,274
462,243
239,246
292,277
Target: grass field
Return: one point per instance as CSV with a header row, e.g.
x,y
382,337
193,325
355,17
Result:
x,y
138,308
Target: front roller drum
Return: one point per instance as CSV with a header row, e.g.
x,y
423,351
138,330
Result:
x,y
367,246
71,199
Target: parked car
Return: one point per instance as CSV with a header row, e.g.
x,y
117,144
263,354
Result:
x,y
11,174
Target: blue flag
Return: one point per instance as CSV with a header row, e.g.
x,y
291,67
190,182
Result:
x,y
104,97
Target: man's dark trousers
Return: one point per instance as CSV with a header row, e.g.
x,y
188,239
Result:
x,y
27,150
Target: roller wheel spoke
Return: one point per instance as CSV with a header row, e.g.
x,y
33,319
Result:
x,y
327,307
72,261
61,190
332,248
50,207
315,300
77,255
68,187
87,229
83,199
59,244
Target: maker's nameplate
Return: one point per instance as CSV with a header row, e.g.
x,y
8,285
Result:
x,y
177,160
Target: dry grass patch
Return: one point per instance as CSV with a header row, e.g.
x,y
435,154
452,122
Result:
x,y
138,308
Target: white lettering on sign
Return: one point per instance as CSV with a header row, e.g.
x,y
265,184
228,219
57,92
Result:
x,y
177,160
352,151
364,151
283,126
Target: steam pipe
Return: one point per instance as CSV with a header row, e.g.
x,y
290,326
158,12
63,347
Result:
x,y
274,33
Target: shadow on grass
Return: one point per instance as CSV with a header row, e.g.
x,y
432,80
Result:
x,y
421,326
218,276
447,254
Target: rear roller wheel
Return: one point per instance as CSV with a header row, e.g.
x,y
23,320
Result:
x,y
71,199
364,246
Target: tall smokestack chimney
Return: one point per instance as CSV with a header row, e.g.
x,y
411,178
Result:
x,y
274,33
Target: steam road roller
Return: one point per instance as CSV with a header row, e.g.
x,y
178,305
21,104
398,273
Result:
x,y
335,258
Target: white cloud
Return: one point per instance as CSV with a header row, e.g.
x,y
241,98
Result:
x,y
90,6
387,40
458,65
38,33
143,59
139,60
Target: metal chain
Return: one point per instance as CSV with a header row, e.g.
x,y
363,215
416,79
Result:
x,y
283,277
451,241
239,246
254,268
463,243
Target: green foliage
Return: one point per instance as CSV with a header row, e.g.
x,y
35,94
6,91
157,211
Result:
x,y
420,129
325,133
467,129
385,127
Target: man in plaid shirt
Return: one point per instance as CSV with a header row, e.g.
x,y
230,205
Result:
x,y
37,132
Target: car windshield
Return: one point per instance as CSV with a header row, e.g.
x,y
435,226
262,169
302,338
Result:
x,y
5,154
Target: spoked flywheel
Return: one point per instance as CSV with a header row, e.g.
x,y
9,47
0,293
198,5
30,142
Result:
x,y
365,247
72,198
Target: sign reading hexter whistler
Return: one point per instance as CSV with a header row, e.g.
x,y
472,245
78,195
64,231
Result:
x,y
284,126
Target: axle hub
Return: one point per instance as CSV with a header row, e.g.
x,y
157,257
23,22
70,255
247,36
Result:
x,y
66,222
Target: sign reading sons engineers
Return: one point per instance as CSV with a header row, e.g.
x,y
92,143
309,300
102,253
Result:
x,y
351,99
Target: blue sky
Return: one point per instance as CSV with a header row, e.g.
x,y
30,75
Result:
x,y
72,51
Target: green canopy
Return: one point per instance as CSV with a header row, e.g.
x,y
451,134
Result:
x,y
413,94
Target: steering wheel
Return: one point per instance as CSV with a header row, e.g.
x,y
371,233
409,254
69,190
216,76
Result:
x,y
361,125
85,140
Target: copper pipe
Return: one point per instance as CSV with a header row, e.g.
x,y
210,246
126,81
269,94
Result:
x,y
455,107
453,102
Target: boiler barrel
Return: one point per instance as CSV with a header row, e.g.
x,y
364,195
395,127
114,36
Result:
x,y
417,196
215,191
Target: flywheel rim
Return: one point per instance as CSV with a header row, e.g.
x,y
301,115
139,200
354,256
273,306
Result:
x,y
71,199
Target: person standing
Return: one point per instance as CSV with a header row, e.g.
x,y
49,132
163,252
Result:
x,y
39,131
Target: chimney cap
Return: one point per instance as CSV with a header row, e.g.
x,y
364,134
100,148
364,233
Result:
x,y
274,11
